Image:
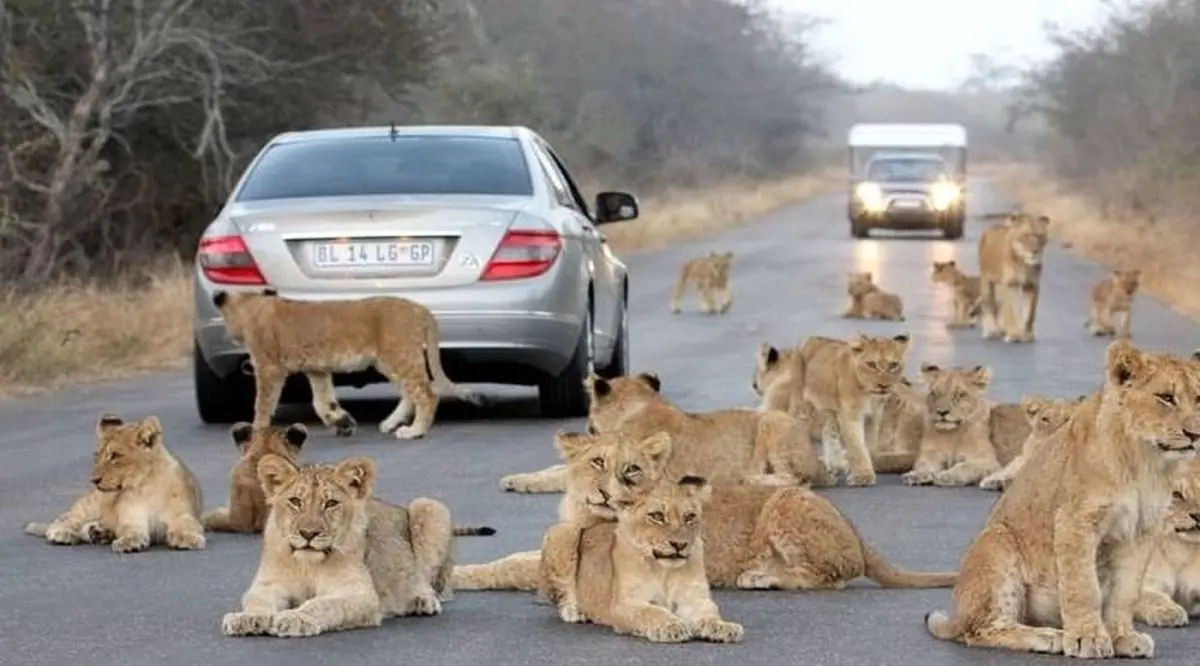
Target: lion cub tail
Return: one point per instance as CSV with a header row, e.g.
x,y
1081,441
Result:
x,y
887,575
37,529
942,626
518,571
471,530
433,359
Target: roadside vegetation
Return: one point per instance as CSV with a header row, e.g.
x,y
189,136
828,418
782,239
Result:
x,y
123,125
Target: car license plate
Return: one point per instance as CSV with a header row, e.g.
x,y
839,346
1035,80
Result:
x,y
907,203
371,254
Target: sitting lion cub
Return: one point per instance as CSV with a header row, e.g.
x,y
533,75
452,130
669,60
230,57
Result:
x,y
335,558
1171,589
967,291
868,301
396,336
1112,304
644,574
143,494
710,276
247,508
1069,541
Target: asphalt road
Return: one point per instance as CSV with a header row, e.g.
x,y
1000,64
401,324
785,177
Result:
x,y
88,605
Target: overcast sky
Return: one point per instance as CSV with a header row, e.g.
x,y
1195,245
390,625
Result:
x,y
926,43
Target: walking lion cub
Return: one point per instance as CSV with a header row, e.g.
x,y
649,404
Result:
x,y
710,276
1069,541
335,558
143,494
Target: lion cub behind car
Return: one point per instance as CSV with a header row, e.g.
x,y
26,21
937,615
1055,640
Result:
x,y
644,574
335,558
710,276
143,494
396,336
869,301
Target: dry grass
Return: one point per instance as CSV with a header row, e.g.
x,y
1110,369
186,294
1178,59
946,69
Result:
x,y
77,332
1164,251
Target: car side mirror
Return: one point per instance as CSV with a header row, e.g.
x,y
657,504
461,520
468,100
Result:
x,y
615,207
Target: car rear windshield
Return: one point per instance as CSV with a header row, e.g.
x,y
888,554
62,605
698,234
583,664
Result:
x,y
378,165
913,170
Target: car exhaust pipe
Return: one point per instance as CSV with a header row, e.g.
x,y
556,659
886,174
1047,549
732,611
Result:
x,y
247,368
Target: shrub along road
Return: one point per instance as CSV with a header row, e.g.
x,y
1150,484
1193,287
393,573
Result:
x,y
87,603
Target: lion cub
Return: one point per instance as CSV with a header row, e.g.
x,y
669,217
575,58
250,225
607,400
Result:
x,y
1044,416
335,558
966,292
710,276
1112,304
143,494
1171,589
956,448
868,301
247,508
396,336
644,574
1089,506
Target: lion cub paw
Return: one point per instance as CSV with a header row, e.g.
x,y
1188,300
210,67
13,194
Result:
x,y
61,535
756,580
570,613
915,478
991,483
186,540
131,543
719,631
1166,615
99,535
1134,644
947,480
344,425
426,604
861,479
670,631
245,624
1096,644
409,432
293,623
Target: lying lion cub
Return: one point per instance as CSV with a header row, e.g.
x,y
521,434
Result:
x,y
644,574
143,494
396,336
956,449
1044,415
726,446
1171,589
335,558
1089,506
869,301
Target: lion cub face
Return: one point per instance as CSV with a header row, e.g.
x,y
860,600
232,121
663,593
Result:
x,y
721,263
664,524
1029,235
1157,398
636,466
283,441
944,272
860,284
1125,285
878,362
590,459
1184,516
954,395
612,399
240,310
317,509
125,452
1045,415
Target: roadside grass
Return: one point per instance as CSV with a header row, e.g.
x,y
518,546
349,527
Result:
x,y
1165,251
74,332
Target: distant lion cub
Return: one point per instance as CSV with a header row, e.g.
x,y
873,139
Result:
x,y
1112,304
966,292
710,276
868,301
143,494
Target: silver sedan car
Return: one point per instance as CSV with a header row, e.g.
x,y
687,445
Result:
x,y
483,225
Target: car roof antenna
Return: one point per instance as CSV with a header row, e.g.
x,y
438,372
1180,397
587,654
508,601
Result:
x,y
393,133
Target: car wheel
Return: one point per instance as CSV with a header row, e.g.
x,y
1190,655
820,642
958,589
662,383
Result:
x,y
619,363
954,230
220,400
564,396
858,229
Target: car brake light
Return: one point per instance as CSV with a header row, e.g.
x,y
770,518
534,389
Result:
x,y
523,254
227,260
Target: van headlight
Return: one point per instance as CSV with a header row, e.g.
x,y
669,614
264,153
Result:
x,y
945,195
871,196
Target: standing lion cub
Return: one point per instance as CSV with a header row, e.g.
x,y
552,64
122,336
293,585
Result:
x,y
335,558
710,276
143,494
1112,304
1069,541
869,301
396,336
966,292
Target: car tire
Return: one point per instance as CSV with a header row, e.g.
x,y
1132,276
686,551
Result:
x,y
858,229
954,230
565,396
220,400
618,364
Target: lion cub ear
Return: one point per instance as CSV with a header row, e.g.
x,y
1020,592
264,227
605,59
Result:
x,y
980,376
597,386
274,472
768,353
149,432
929,370
241,432
571,445
357,474
696,487
296,435
109,420
657,446
650,379
1124,363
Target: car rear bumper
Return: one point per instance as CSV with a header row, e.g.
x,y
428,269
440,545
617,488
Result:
x,y
504,347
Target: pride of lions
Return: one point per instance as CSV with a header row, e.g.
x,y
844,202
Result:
x,y
1097,527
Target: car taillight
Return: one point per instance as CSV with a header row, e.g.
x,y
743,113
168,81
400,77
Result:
x,y
523,254
227,260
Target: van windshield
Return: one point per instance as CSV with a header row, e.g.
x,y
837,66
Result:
x,y
906,170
